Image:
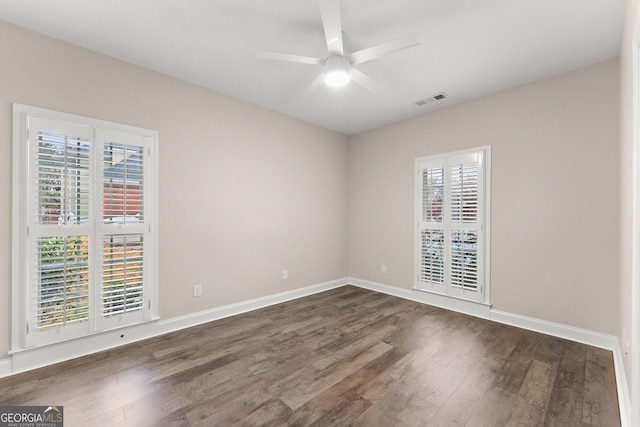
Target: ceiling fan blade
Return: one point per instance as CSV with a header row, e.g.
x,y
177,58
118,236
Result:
x,y
374,52
330,11
363,80
315,85
289,57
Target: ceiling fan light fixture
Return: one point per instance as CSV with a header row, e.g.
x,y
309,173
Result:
x,y
337,71
337,78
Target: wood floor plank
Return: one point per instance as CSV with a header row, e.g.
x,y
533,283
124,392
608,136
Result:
x,y
494,409
400,407
437,389
468,396
567,396
517,365
533,396
271,413
348,356
342,411
323,402
147,411
104,419
407,373
355,347
344,414
600,394
315,382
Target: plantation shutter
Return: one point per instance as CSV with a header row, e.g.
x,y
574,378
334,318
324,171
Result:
x,y
465,225
432,226
123,261
84,226
59,230
450,208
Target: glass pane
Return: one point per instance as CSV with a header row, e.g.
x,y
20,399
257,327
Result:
x,y
122,273
432,194
63,179
464,259
123,183
432,257
63,281
464,192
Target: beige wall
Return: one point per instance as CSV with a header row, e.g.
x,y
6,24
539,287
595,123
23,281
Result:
x,y
555,201
244,192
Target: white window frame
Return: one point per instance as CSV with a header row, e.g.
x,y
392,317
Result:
x,y
23,244
482,295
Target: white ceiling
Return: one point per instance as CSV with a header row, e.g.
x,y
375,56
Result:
x,y
470,48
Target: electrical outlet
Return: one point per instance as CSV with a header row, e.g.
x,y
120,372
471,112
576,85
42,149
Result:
x,y
285,274
383,269
197,290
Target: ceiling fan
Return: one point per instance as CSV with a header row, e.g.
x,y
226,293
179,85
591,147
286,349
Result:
x,y
339,67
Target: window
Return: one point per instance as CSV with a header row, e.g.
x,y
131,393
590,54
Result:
x,y
84,226
451,209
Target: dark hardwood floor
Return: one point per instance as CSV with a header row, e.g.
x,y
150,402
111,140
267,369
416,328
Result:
x,y
343,357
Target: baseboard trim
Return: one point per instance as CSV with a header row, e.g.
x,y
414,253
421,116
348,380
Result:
x,y
559,330
624,398
29,359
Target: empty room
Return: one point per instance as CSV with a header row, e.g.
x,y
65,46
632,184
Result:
x,y
320,212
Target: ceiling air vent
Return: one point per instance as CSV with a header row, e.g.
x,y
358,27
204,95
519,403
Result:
x,y
434,98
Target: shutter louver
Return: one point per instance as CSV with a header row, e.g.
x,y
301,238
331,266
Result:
x,y
464,259
63,181
432,194
123,183
432,232
432,260
464,192
122,273
63,281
